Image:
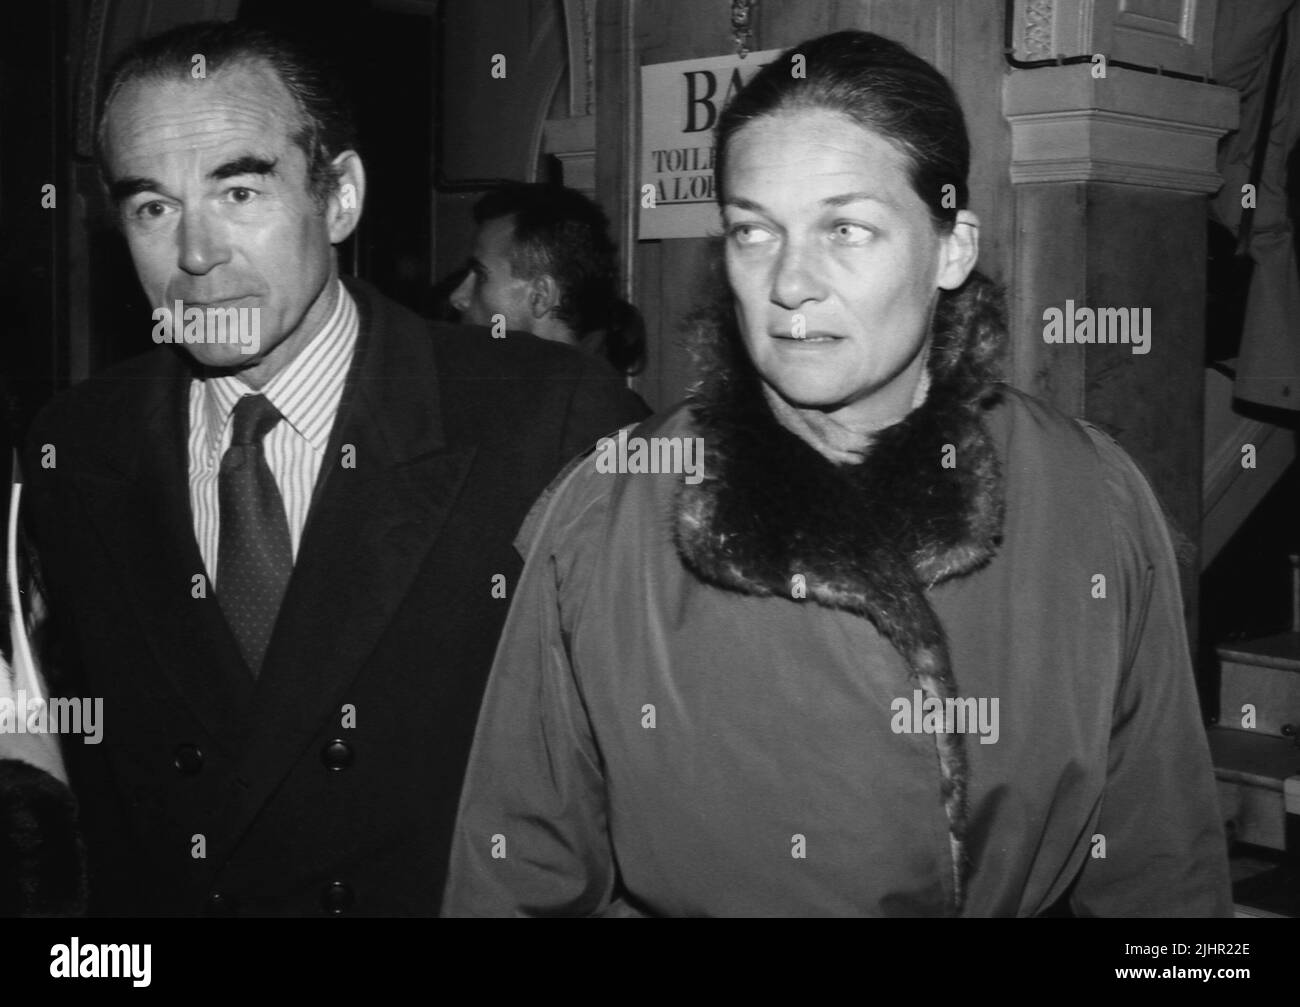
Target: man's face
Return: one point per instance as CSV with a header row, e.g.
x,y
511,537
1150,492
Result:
x,y
215,207
491,288
834,263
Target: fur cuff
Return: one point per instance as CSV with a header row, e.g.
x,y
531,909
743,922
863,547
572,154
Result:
x,y
42,859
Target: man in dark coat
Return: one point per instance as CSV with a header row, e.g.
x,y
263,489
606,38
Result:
x,y
282,559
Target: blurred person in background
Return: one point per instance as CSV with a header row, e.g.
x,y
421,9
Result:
x,y
543,263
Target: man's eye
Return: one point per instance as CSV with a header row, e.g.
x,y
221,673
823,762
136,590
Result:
x,y
848,233
151,210
240,194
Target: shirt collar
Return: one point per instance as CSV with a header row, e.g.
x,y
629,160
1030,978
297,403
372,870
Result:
x,y
306,392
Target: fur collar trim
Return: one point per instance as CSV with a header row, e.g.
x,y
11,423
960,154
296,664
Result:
x,y
925,505
42,858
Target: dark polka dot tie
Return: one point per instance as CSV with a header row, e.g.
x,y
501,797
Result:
x,y
255,555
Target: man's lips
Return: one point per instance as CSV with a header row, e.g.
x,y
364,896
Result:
x,y
210,302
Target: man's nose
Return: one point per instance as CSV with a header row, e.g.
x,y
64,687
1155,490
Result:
x,y
798,277
202,243
461,295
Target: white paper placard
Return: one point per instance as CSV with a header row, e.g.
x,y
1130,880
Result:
x,y
680,103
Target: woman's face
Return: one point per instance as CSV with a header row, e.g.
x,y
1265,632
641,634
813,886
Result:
x,y
834,263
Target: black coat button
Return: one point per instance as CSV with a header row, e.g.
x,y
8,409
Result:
x,y
337,754
188,760
337,897
218,904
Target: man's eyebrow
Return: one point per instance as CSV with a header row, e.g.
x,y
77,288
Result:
x,y
124,188
121,189
249,164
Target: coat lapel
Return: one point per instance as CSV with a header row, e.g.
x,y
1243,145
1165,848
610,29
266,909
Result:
x,y
370,530
138,501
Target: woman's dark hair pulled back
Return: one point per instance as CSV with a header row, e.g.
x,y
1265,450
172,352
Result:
x,y
880,85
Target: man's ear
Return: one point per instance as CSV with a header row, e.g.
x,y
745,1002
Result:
x,y
343,211
959,251
543,296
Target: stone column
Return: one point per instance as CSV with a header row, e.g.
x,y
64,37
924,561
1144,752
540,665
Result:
x,y
1111,174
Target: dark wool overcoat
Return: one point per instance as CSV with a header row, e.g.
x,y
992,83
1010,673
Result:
x,y
328,784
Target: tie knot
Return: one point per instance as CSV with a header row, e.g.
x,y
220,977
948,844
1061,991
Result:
x,y
253,418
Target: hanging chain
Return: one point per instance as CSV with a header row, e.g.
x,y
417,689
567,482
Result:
x,y
742,25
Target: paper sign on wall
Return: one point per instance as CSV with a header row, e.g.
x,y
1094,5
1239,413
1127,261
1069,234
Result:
x,y
680,103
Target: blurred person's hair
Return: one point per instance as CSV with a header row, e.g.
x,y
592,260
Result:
x,y
559,232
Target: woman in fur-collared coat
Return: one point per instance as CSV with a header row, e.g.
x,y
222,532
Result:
x,y
909,643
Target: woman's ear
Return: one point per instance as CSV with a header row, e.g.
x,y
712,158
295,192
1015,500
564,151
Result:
x,y
959,251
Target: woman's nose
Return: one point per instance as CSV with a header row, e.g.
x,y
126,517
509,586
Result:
x,y
798,277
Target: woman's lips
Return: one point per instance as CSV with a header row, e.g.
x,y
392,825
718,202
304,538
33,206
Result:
x,y
816,337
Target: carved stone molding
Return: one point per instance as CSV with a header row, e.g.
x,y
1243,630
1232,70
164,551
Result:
x,y
1175,35
1046,29
570,133
1128,127
1036,39
580,30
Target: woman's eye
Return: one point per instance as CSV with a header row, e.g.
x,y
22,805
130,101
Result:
x,y
748,234
847,233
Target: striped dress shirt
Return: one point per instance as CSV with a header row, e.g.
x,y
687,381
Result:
x,y
307,394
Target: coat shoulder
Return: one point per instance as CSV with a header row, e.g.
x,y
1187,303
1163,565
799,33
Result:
x,y
1032,430
1021,421
472,349
111,389
1044,448
530,386
579,499
98,417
